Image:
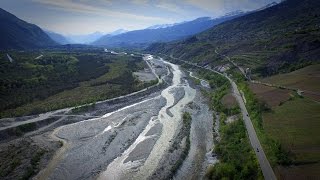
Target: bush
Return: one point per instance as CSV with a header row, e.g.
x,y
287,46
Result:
x,y
186,118
237,159
223,171
34,168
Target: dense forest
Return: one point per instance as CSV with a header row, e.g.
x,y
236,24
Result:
x,y
236,157
34,76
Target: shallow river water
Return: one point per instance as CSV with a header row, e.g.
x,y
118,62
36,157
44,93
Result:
x,y
127,143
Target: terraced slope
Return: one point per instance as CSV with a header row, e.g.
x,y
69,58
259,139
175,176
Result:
x,y
279,38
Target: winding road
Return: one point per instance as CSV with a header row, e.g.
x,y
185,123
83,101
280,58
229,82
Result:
x,y
254,141
141,140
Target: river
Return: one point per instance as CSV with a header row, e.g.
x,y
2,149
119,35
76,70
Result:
x,y
129,143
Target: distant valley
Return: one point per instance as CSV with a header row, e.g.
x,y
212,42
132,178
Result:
x,y
236,96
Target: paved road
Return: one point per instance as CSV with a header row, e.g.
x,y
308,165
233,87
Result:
x,y
255,143
299,91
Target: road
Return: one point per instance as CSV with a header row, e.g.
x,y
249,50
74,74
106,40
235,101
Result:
x,y
135,136
254,141
132,138
299,91
232,62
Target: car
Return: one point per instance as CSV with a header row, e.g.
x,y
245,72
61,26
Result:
x,y
257,150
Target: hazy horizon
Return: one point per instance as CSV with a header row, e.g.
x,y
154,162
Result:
x,y
69,17
188,89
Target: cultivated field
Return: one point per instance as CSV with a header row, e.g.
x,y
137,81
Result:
x,y
307,79
270,95
294,121
296,126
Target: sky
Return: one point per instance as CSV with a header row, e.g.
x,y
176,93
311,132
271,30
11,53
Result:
x,y
88,16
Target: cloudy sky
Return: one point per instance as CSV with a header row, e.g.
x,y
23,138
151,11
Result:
x,y
87,16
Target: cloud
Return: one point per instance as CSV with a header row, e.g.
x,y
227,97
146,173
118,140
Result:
x,y
170,7
219,7
208,5
141,2
81,7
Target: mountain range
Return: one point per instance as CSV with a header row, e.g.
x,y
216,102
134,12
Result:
x,y
162,33
57,37
84,38
80,39
275,38
18,34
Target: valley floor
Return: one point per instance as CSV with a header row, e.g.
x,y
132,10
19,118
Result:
x,y
141,136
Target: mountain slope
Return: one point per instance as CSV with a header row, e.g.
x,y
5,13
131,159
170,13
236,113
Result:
x,y
268,41
57,37
84,38
18,34
175,32
117,32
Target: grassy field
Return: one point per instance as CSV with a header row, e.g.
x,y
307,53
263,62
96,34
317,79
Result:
x,y
293,121
308,171
270,95
306,79
296,125
252,60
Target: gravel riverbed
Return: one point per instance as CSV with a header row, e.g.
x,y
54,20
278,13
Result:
x,y
141,136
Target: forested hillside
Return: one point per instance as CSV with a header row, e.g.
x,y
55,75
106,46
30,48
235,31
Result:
x,y
57,37
18,34
268,41
35,76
